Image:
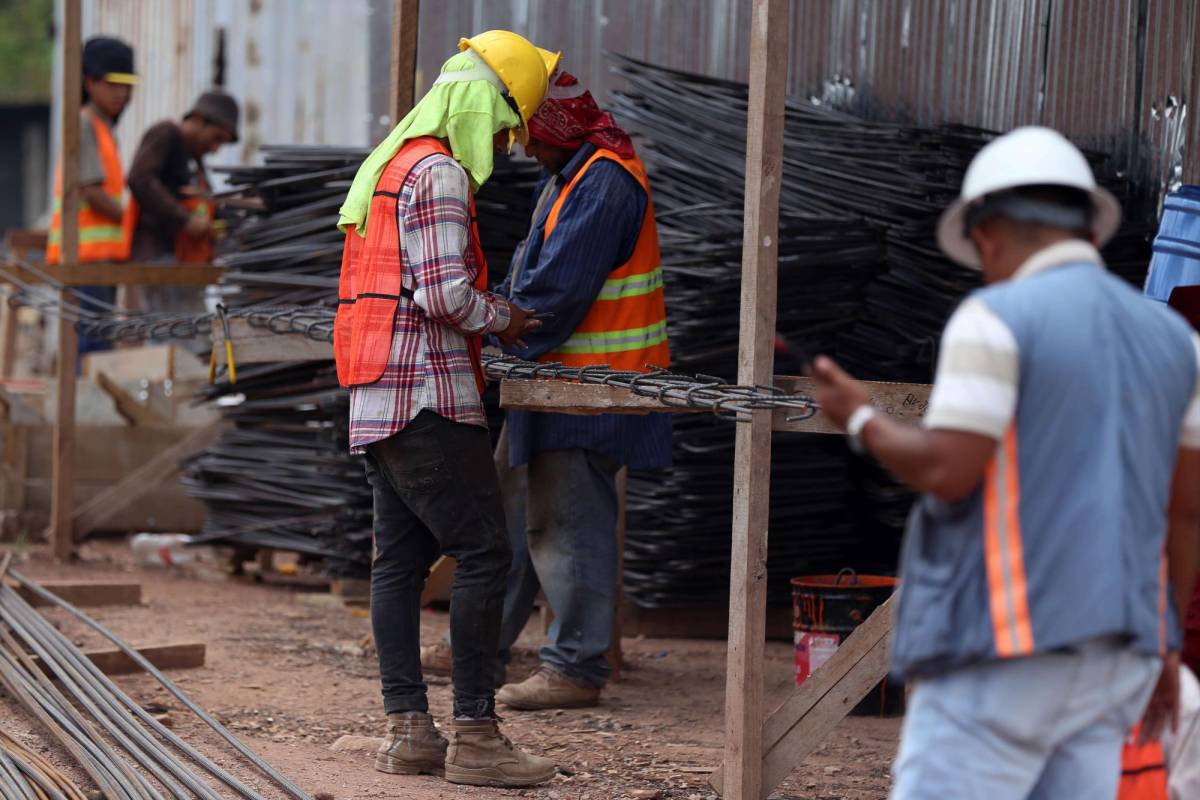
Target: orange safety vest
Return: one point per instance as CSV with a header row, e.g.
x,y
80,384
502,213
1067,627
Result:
x,y
371,288
100,239
1143,770
193,249
626,327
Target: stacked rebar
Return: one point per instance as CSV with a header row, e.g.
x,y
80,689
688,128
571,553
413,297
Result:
x,y
123,749
860,278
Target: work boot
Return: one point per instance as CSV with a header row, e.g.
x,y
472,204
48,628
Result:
x,y
547,688
480,755
436,659
413,746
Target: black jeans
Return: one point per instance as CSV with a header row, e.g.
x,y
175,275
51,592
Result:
x,y
436,491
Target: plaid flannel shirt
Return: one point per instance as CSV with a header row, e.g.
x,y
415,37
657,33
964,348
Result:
x,y
429,366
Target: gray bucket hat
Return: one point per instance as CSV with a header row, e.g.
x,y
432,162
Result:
x,y
218,108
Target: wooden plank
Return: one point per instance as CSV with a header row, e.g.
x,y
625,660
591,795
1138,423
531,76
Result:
x,y
161,468
149,362
104,273
8,334
61,534
257,345
906,402
87,594
441,578
752,447
811,711
185,655
405,16
129,408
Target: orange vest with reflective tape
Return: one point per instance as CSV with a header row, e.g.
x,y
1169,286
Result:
x,y
371,287
1143,771
100,238
626,326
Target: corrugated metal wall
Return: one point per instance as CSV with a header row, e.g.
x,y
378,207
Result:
x,y
300,68
1115,74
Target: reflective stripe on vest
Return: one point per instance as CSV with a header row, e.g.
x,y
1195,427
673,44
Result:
x,y
626,326
100,238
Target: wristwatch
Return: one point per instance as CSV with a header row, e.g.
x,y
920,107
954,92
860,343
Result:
x,y
854,426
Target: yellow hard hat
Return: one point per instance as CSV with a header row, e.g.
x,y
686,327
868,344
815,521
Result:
x,y
551,61
518,64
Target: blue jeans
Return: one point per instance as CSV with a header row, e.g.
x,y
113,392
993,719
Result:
x,y
1040,727
561,510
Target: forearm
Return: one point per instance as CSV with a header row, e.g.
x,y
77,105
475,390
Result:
x,y
905,451
99,201
457,304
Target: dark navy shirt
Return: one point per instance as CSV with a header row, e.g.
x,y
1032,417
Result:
x,y
597,229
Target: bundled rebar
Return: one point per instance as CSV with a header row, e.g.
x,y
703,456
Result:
x,y
127,752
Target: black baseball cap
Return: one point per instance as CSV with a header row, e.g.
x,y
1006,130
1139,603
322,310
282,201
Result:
x,y
109,59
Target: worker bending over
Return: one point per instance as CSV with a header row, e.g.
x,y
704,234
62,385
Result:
x,y
1056,537
412,309
105,222
170,184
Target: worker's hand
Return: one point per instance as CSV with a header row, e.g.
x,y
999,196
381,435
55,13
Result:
x,y
838,394
521,322
1163,709
198,228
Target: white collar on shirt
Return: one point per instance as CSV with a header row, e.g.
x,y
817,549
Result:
x,y
1072,251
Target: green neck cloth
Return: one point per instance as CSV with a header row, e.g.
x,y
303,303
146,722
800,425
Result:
x,y
467,113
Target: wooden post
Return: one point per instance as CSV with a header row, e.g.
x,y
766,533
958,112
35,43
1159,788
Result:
x,y
405,14
752,449
62,484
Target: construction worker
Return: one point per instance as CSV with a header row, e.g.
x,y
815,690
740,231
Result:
x,y
105,226
170,184
413,307
590,263
1056,536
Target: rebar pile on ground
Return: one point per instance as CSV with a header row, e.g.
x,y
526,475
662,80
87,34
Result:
x,y
860,278
127,752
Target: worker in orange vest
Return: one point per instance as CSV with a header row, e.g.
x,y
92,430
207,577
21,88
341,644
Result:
x,y
105,224
413,306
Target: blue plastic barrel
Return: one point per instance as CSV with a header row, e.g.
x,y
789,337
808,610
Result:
x,y
1176,260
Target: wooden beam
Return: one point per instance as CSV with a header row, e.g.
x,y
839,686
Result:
x,y
62,540
87,594
140,482
72,273
811,711
752,448
405,27
905,402
15,467
127,406
257,345
186,655
8,334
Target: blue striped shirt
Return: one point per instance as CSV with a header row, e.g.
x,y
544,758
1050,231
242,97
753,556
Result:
x,y
597,229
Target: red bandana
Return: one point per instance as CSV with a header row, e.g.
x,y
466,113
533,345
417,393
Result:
x,y
569,117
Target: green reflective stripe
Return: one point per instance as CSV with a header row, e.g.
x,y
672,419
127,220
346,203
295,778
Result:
x,y
92,234
632,286
615,341
83,205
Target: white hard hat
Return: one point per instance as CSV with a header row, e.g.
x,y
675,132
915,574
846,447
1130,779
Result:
x,y
1030,156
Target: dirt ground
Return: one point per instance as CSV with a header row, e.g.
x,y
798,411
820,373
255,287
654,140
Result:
x,y
288,672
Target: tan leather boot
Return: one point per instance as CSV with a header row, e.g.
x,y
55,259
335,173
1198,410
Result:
x,y
480,755
413,746
547,688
